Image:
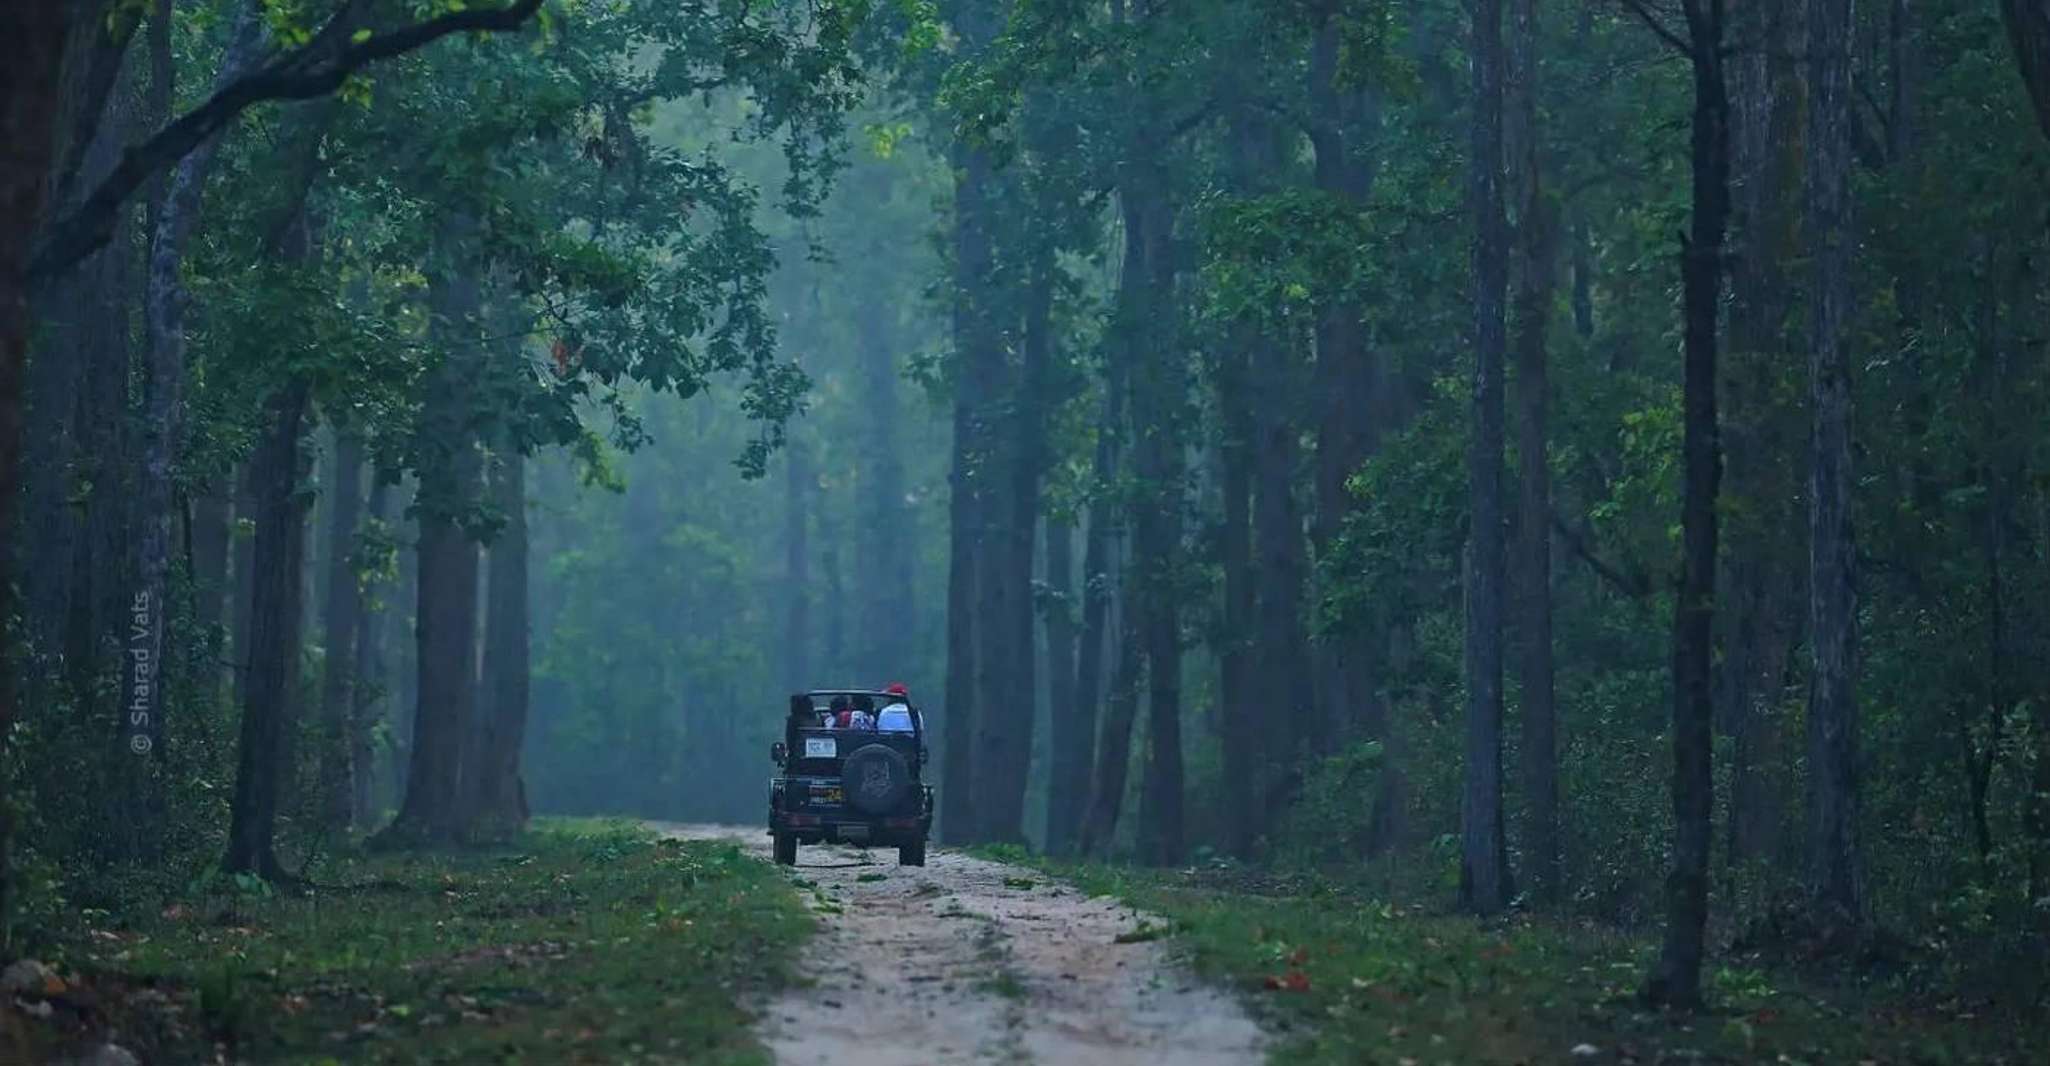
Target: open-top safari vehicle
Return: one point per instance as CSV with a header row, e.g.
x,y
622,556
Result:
x,y
847,785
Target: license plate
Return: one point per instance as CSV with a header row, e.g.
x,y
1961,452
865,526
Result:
x,y
820,747
828,794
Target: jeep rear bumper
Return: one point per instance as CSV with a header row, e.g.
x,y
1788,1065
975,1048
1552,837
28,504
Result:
x,y
825,828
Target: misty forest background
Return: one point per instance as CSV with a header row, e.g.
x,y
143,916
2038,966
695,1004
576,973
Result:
x,y
1577,455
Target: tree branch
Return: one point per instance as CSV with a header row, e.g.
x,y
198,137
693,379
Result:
x,y
2028,30
313,71
1644,14
1633,583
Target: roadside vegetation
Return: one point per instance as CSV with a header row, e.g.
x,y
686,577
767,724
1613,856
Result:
x,y
576,942
1344,975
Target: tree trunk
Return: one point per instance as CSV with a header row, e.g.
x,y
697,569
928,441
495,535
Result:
x,y
1068,806
1998,695
343,614
957,719
1676,978
1834,879
1348,429
2028,29
1145,312
886,531
835,605
80,585
499,794
1065,773
1484,884
1004,755
446,622
1759,587
977,354
996,598
371,692
1269,391
799,485
1537,242
36,32
212,534
1114,747
164,328
242,584
264,754
1240,724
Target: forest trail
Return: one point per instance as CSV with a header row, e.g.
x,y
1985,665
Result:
x,y
970,961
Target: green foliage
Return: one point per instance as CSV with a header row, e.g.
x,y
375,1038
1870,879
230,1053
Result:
x,y
1275,260
624,945
1329,822
1349,977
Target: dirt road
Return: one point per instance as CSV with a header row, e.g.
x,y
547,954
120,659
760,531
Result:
x,y
966,961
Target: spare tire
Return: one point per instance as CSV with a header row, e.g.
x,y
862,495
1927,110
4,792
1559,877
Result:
x,y
877,778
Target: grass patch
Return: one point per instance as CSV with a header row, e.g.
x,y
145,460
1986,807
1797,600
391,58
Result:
x,y
1344,978
1146,931
1003,984
577,942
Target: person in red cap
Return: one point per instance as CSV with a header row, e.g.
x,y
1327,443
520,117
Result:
x,y
895,716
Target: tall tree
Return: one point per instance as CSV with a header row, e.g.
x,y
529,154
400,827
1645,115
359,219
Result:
x,y
2028,28
1114,745
446,622
268,718
1537,253
799,485
1158,388
1759,587
1347,376
1834,877
978,362
1676,978
36,33
164,307
498,795
1075,728
885,531
342,617
1274,394
1239,725
1484,881
1058,618
1005,750
369,694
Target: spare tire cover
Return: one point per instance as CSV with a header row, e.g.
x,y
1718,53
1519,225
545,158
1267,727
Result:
x,y
876,777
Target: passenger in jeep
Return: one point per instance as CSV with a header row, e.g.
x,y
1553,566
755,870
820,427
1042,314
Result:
x,y
896,714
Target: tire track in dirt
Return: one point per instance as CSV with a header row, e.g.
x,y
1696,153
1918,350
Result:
x,y
968,961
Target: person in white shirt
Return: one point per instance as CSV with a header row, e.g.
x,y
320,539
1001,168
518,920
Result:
x,y
896,714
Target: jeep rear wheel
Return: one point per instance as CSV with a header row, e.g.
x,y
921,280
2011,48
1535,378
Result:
x,y
786,849
911,854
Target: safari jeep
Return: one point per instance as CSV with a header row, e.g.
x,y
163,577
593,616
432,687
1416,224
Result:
x,y
849,786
